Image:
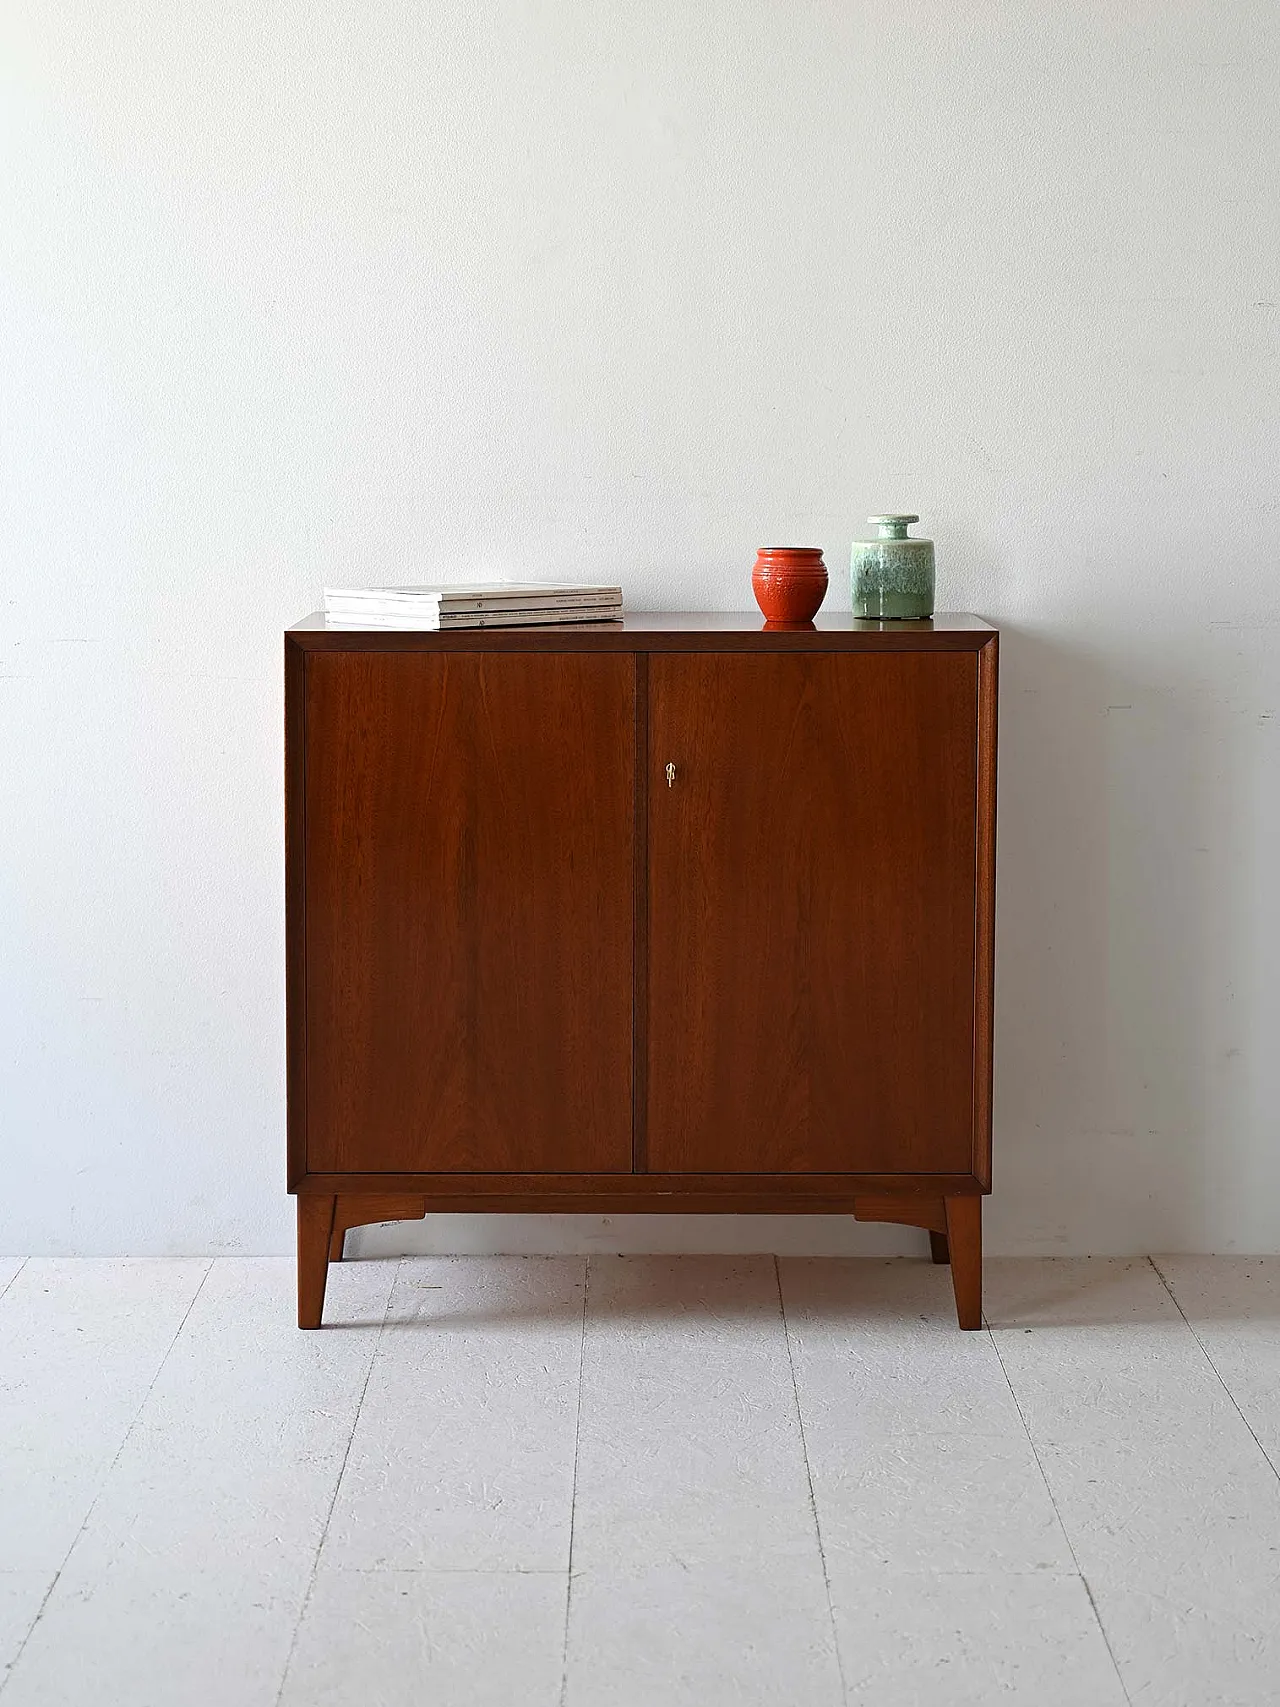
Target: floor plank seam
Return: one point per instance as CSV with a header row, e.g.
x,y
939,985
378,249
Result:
x,y
8,1677
1205,1353
337,1486
447,1570
17,1271
1066,1533
808,1472
573,1498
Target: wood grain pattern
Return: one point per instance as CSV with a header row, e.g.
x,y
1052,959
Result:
x,y
811,913
470,912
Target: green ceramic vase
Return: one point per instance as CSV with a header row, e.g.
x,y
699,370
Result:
x,y
892,575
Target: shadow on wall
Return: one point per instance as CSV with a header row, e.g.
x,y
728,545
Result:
x,y
1136,1074
1122,863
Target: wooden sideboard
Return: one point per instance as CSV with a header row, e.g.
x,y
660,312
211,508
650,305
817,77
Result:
x,y
680,913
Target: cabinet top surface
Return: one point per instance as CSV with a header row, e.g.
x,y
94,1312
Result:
x,y
663,631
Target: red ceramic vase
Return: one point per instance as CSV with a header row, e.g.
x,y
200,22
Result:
x,y
789,582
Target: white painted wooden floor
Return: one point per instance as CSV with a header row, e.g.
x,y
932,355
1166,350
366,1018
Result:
x,y
662,1480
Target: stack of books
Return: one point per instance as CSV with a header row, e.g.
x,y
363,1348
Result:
x,y
491,604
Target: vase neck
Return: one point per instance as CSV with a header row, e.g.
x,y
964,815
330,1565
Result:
x,y
893,527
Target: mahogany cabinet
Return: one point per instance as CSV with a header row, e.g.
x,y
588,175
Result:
x,y
679,913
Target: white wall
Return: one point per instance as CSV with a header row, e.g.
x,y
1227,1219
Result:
x,y
349,290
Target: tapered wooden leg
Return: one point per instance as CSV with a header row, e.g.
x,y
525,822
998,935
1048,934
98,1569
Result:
x,y
964,1237
337,1242
315,1230
938,1247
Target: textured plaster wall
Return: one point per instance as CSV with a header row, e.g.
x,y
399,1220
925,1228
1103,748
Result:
x,y
355,290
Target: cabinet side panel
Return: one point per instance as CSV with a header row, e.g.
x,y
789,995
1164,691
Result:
x,y
812,913
470,911
295,666
984,935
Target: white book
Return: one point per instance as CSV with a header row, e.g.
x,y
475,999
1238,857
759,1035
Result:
x,y
433,620
478,596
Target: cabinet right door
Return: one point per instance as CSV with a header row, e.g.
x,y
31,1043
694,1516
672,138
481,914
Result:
x,y
811,912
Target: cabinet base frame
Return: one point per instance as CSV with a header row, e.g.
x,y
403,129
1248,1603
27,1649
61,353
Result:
x,y
953,1221
359,1210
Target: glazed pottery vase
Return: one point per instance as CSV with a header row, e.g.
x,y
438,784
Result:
x,y
789,582
893,575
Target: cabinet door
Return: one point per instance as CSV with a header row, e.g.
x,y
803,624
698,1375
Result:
x,y
811,906
469,911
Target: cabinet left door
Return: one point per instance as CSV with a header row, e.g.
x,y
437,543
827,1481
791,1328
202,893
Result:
x,y
469,907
